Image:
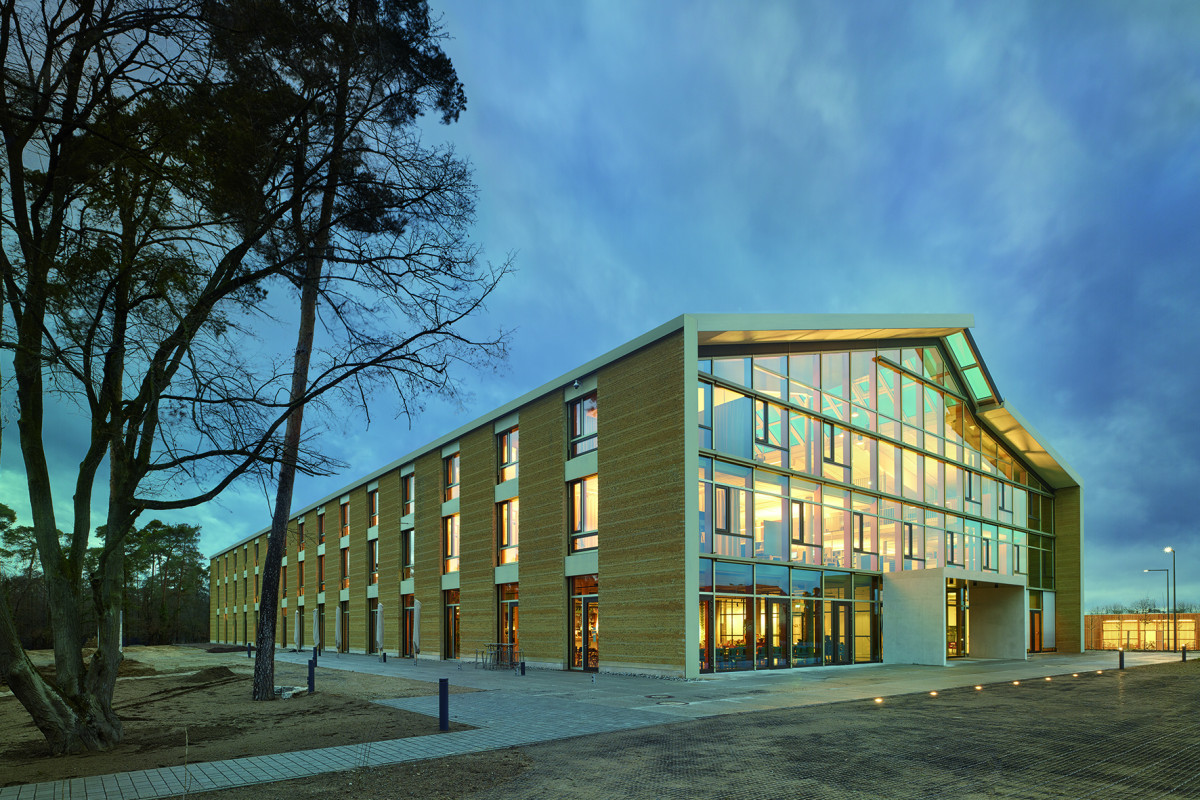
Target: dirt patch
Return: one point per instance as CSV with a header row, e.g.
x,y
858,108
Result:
x,y
207,715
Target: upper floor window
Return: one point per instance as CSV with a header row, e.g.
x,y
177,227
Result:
x,y
345,567
584,514
507,445
300,578
235,560
300,534
373,561
373,508
583,425
450,544
507,530
407,492
283,580
320,573
256,553
321,528
450,475
344,515
407,553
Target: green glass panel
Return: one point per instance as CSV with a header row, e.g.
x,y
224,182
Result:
x,y
961,350
978,384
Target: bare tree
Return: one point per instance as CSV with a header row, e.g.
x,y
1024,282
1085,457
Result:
x,y
166,192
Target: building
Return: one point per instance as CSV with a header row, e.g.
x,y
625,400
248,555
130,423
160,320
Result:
x,y
1147,631
725,492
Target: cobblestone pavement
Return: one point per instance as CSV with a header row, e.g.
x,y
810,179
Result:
x,y
547,706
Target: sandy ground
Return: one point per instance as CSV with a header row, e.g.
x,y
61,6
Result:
x,y
184,704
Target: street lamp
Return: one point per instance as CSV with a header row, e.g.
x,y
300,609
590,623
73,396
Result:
x,y
1167,608
1174,599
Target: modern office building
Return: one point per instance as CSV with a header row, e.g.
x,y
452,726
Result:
x,y
725,492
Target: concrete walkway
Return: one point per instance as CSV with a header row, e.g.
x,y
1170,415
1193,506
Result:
x,y
548,705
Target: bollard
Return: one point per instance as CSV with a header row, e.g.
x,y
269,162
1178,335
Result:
x,y
385,656
314,658
1120,659
248,650
444,704
522,669
312,676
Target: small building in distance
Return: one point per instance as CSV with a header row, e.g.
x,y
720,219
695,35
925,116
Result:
x,y
725,492
1150,631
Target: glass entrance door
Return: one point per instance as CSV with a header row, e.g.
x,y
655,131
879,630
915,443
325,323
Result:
x,y
585,622
774,634
839,632
956,621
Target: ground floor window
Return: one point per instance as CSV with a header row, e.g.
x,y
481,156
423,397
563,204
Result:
x,y
374,635
450,629
407,620
508,614
769,616
585,623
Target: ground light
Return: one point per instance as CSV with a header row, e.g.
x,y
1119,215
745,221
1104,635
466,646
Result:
x,y
1074,674
978,688
933,694
1048,678
878,699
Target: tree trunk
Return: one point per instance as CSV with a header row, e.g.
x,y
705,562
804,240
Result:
x,y
317,241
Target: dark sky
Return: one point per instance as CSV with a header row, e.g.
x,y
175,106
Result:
x,y
1036,164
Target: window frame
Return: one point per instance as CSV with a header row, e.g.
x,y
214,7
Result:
x,y
372,561
579,440
579,527
407,553
451,477
344,518
508,531
408,489
344,566
372,508
451,543
508,451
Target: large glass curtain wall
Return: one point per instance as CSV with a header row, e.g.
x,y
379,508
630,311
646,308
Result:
x,y
769,616
862,460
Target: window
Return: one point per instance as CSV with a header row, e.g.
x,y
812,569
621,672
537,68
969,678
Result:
x,y
507,449
974,486
320,573
953,548
407,491
373,508
321,528
300,579
1018,564
345,567
507,530
300,534
256,587
450,544
406,554
256,553
344,515
858,524
373,561
913,547
583,425
450,475
584,511
235,569
283,581
986,552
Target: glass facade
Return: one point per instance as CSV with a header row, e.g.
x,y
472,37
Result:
x,y
841,466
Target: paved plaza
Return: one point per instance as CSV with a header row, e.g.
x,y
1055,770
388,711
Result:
x,y
548,706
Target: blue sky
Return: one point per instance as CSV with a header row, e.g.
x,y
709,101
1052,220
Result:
x,y
1036,164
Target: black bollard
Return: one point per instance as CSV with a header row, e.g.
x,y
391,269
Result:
x,y
248,650
1120,659
314,658
444,704
522,669
312,676
385,656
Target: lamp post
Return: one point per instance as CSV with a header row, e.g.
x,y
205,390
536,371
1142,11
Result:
x,y
1167,606
1174,599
